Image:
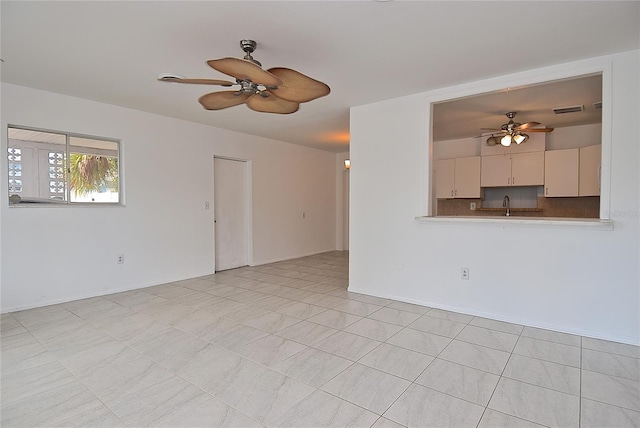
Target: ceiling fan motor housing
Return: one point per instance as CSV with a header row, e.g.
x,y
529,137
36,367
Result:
x,y
248,46
511,124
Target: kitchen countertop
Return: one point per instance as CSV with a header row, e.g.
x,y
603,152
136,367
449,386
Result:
x,y
513,210
587,223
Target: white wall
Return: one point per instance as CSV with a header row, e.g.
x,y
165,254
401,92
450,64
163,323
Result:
x,y
53,254
458,148
573,137
582,281
569,137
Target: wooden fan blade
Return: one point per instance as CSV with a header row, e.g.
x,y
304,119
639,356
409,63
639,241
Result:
x,y
526,125
491,129
222,100
197,81
539,130
298,87
271,104
244,70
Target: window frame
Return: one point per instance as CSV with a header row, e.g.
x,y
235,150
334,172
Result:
x,y
68,136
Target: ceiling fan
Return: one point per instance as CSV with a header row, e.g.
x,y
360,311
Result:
x,y
277,90
513,131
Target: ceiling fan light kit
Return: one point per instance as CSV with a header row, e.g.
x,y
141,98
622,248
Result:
x,y
277,90
513,131
518,138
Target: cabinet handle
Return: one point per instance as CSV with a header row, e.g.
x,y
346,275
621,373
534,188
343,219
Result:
x,y
456,192
546,190
513,180
452,193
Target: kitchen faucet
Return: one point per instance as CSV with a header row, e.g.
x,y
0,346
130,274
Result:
x,y
505,204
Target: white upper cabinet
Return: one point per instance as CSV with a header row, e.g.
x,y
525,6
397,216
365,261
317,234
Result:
x,y
458,178
527,169
573,172
445,178
496,171
589,175
561,172
518,169
467,180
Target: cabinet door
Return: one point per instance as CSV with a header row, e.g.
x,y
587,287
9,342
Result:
x,y
589,177
467,177
496,171
444,176
561,173
527,169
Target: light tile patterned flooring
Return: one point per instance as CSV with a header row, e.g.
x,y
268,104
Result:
x,y
287,345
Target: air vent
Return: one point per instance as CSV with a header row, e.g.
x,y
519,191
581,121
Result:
x,y
597,105
570,109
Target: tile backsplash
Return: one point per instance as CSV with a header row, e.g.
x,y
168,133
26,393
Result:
x,y
580,207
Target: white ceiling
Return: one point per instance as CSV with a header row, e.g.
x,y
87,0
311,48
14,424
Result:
x,y
366,51
466,117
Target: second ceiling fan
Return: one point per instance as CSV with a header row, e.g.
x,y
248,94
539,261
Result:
x,y
513,131
277,90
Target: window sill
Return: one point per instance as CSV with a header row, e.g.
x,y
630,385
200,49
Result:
x,y
591,224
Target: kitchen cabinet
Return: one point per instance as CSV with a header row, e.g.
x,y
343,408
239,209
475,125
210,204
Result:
x,y
458,178
496,171
445,178
561,172
518,169
589,172
527,169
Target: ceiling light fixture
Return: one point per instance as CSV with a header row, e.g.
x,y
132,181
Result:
x,y
347,164
516,137
512,133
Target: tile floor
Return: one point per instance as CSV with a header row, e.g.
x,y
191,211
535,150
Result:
x,y
287,345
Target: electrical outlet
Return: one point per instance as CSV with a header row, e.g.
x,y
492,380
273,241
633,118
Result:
x,y
120,259
472,206
464,273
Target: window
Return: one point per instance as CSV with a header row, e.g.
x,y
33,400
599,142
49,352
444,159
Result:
x,y
61,168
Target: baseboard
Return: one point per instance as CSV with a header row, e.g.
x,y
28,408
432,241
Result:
x,y
629,340
87,296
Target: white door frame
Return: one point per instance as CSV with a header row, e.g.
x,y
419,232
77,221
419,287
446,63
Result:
x,y
346,182
248,215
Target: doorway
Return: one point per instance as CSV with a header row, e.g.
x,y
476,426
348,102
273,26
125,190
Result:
x,y
231,213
